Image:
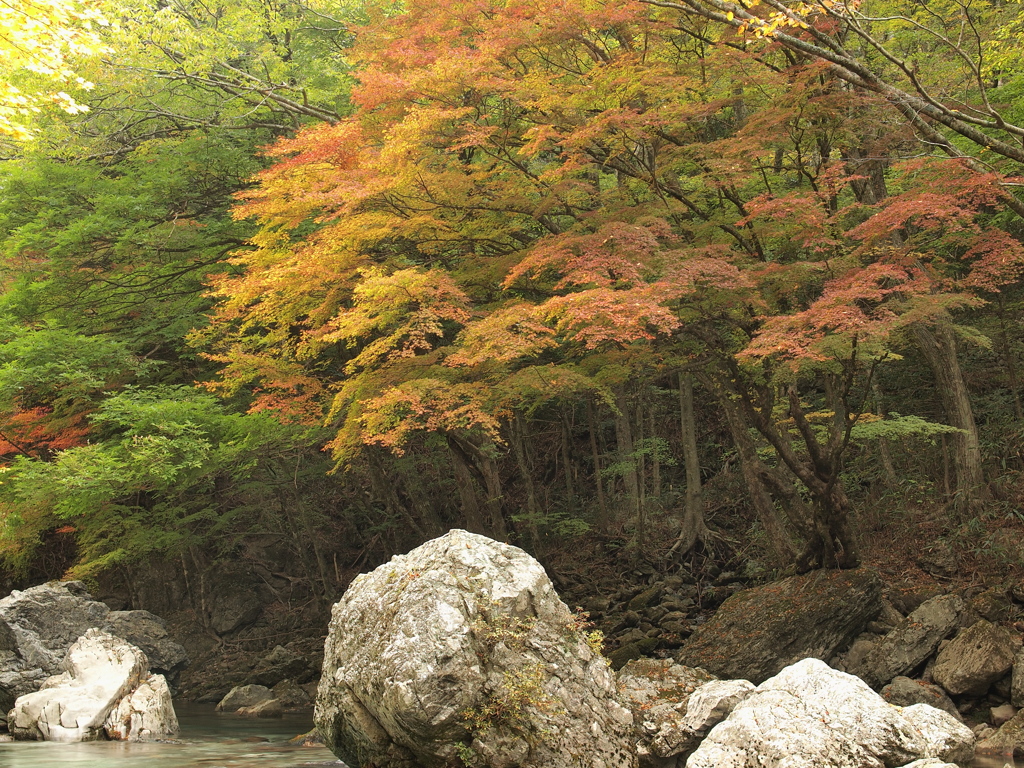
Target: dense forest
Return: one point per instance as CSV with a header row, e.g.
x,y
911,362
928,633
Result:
x,y
690,278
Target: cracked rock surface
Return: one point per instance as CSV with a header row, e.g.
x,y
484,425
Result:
x,y
462,650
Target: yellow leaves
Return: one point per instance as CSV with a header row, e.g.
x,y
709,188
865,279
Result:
x,y
396,315
39,41
503,335
1004,52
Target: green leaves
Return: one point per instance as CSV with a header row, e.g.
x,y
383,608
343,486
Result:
x,y
151,482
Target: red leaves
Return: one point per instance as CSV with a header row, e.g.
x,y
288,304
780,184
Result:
x,y
36,431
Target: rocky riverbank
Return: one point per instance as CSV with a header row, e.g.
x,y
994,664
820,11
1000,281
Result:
x,y
956,650
462,651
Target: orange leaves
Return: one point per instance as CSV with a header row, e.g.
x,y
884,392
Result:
x,y
431,405
36,431
396,315
996,259
616,254
861,309
601,316
503,335
526,186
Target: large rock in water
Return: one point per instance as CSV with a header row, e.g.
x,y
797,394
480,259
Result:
x,y
759,631
38,626
461,650
105,690
812,715
146,714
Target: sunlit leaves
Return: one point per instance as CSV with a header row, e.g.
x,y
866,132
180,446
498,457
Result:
x,y
43,38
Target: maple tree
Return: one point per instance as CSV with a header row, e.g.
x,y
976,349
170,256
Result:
x,y
550,184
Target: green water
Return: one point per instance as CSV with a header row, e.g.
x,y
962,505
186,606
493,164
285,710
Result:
x,y
207,740
211,740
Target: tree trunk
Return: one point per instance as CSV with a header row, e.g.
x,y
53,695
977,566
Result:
x,y
570,489
755,474
626,453
519,450
603,521
468,494
938,344
1009,359
479,465
691,526
386,490
889,471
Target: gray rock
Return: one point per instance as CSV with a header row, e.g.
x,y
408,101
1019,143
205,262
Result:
x,y
462,650
646,598
1017,681
903,692
1004,713
939,559
145,714
148,632
100,672
631,651
1017,591
993,604
854,658
911,641
712,703
291,694
37,626
889,615
930,762
234,604
657,692
244,696
975,658
812,715
269,708
759,631
280,664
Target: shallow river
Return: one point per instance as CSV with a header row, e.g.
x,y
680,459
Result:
x,y
207,740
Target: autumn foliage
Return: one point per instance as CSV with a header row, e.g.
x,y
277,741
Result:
x,y
548,266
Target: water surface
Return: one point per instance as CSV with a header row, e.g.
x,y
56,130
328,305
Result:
x,y
212,740
207,740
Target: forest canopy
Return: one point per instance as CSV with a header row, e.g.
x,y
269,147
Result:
x,y
535,269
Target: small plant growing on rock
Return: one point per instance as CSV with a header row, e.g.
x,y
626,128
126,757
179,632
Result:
x,y
521,690
580,623
511,631
466,753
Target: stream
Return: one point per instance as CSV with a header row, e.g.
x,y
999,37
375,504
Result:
x,y
208,739
212,740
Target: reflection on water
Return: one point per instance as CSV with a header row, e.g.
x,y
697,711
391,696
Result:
x,y
988,761
207,740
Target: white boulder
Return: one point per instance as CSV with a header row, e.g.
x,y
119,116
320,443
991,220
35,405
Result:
x,y
810,714
100,671
461,650
146,714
